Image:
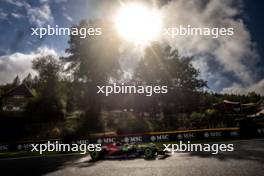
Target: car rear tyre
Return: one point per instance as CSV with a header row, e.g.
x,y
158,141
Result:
x,y
149,153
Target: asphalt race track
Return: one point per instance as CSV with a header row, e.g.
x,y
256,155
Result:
x,y
247,159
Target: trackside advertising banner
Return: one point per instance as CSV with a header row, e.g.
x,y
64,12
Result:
x,y
169,136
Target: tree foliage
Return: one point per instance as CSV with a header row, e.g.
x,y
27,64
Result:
x,y
28,80
16,82
49,102
94,60
163,66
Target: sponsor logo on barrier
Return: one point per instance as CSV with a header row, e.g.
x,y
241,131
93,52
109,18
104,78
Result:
x,y
24,146
234,133
186,136
4,147
127,139
106,140
86,141
260,130
212,134
133,139
159,138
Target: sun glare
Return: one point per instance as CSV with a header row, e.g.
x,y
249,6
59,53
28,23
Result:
x,y
138,23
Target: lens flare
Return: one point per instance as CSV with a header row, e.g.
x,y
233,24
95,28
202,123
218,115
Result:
x,y
138,23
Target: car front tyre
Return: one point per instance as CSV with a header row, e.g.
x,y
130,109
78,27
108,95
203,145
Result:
x,y
149,153
95,155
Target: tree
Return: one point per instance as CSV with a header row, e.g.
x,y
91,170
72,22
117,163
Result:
x,y
93,62
16,82
253,97
163,66
28,80
49,103
49,69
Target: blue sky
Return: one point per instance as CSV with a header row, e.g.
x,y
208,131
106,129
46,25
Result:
x,y
254,19
18,16
16,22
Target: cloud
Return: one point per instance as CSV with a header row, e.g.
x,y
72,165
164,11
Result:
x,y
39,16
68,17
44,1
20,64
3,15
225,61
16,15
56,1
61,1
16,3
257,87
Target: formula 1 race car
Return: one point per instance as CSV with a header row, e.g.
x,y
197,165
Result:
x,y
119,150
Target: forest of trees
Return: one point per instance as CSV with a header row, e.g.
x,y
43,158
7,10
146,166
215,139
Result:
x,y
69,84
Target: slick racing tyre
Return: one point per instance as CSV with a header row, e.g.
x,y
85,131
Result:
x,y
149,153
95,155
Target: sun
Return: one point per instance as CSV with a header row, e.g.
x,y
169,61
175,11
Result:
x,y
138,23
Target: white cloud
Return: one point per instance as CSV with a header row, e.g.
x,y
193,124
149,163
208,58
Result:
x,y
3,15
257,87
60,1
235,55
16,3
39,16
43,1
68,17
17,15
56,1
20,64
